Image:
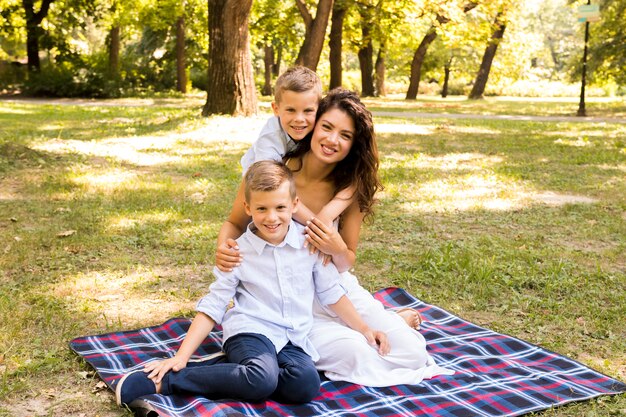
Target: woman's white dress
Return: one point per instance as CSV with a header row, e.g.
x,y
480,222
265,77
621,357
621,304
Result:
x,y
345,354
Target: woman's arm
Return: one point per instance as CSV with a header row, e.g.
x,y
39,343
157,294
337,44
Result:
x,y
227,253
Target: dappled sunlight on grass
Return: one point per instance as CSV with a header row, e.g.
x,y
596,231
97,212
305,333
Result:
x,y
129,297
448,162
382,128
480,191
105,181
469,192
135,150
168,149
14,110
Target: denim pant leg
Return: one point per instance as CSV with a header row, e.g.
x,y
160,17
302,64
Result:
x,y
298,380
250,372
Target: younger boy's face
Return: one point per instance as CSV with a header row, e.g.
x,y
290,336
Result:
x,y
271,212
297,112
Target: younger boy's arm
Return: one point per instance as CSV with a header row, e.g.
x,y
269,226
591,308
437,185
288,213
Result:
x,y
200,328
336,206
329,212
346,312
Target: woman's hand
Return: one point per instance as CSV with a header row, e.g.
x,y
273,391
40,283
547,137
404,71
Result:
x,y
377,338
326,239
156,370
227,256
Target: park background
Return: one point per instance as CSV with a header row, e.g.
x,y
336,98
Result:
x,y
118,165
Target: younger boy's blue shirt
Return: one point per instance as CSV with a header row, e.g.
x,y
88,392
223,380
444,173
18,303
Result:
x,y
272,144
273,290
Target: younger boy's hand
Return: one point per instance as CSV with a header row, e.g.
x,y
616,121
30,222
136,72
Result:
x,y
158,369
227,256
377,338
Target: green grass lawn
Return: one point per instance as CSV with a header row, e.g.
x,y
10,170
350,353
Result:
x,y
109,216
556,106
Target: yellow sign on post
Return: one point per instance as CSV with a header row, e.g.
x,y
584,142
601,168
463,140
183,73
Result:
x,y
588,13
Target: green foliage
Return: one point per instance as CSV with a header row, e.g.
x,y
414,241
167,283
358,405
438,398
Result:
x,y
607,48
68,80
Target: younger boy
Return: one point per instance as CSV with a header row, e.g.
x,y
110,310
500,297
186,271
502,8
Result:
x,y
297,94
266,343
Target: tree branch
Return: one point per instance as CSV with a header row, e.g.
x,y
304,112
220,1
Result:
x,y
306,15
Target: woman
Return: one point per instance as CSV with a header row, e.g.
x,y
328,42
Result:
x,y
342,153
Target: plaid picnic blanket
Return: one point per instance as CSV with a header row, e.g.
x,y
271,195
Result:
x,y
496,374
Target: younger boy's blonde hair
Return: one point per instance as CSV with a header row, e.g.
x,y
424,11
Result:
x,y
297,79
268,175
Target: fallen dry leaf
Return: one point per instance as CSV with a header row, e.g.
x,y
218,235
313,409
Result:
x,y
66,233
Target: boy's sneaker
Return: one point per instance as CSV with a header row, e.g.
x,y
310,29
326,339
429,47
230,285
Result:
x,y
132,386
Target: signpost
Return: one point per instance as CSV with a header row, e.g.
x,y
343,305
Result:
x,y
586,13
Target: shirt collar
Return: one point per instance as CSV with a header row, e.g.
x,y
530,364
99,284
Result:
x,y
292,238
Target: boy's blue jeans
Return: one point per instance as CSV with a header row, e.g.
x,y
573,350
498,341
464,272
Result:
x,y
251,371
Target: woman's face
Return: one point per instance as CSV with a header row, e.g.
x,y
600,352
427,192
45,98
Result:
x,y
333,136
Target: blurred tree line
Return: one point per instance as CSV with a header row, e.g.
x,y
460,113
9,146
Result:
x,y
235,48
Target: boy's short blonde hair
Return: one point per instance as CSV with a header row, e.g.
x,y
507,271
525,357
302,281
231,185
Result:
x,y
268,176
297,79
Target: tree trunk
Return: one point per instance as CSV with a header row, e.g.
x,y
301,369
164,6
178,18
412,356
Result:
x,y
311,49
420,53
490,52
366,52
269,63
114,51
446,79
181,59
366,63
33,31
230,88
276,63
335,44
381,90
418,60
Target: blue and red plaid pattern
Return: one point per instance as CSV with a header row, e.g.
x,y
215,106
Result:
x,y
496,375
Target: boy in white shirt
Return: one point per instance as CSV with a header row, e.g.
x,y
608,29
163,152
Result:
x,y
268,352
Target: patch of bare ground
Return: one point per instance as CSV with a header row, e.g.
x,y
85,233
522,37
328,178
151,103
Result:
x,y
10,189
555,199
66,394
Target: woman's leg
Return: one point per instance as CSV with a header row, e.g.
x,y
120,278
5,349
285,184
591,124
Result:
x,y
251,373
346,355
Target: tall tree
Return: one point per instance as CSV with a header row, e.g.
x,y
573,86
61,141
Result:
x,y
315,31
420,53
366,50
273,30
335,43
114,45
33,31
230,87
181,59
499,25
379,69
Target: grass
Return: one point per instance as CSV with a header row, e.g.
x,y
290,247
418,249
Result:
x,y
558,106
518,226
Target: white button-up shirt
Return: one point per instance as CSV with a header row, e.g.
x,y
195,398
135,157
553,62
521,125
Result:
x,y
273,143
273,290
